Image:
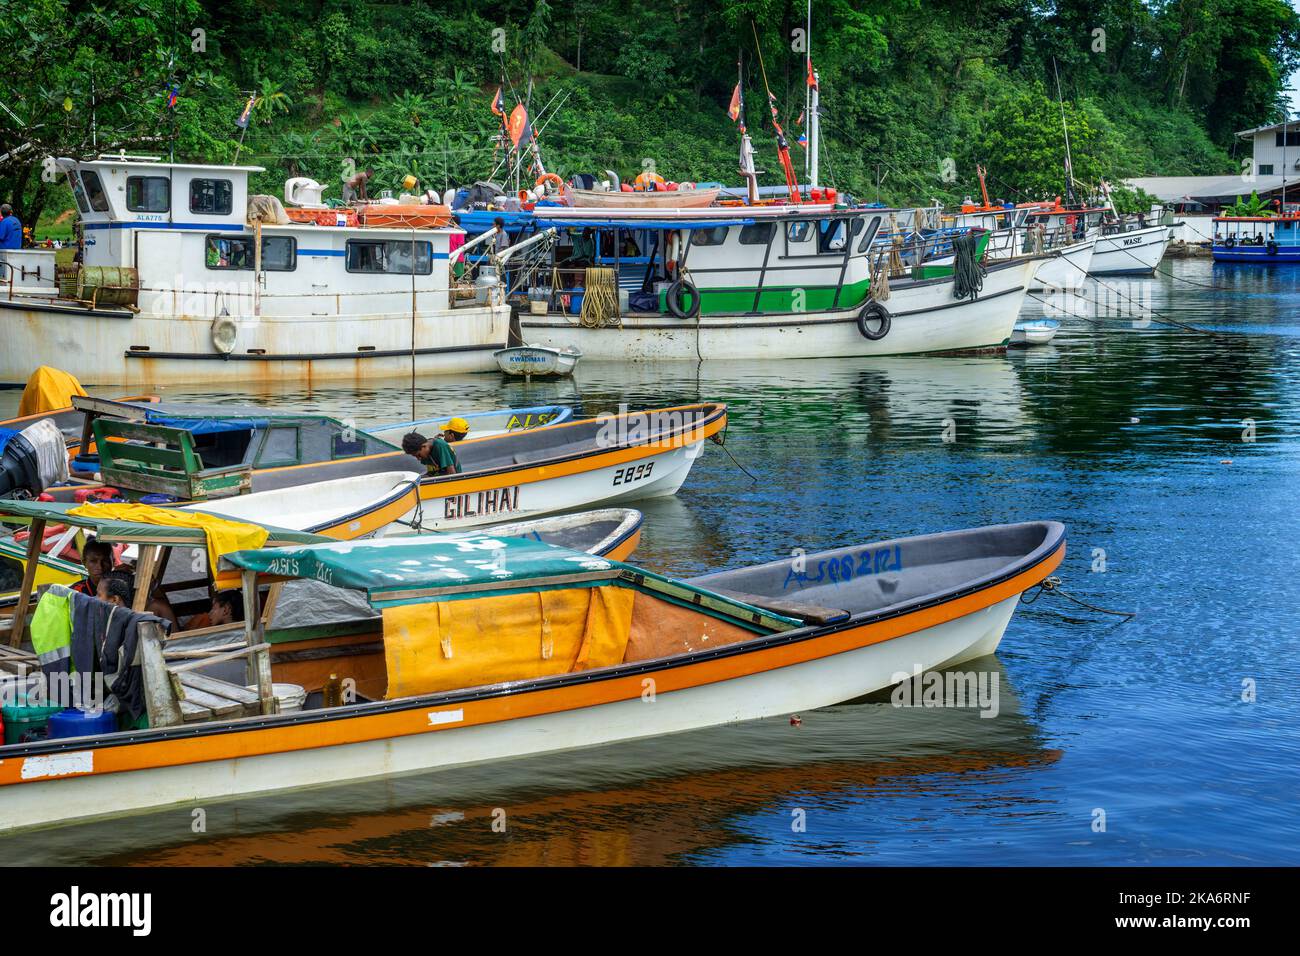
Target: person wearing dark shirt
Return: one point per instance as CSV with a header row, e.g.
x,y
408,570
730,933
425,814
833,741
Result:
x,y
97,556
436,454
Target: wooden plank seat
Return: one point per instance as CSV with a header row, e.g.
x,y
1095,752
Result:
x,y
808,613
175,693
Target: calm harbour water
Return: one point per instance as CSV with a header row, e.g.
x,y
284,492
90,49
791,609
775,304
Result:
x,y
1132,436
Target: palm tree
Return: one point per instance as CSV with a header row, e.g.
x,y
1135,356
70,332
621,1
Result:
x,y
413,107
270,99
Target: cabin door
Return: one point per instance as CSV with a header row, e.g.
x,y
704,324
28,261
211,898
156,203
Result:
x,y
155,253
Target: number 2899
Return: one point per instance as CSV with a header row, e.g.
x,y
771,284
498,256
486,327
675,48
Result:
x,y
633,473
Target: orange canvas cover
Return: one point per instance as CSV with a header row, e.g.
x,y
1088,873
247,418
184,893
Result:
x,y
488,640
49,389
412,216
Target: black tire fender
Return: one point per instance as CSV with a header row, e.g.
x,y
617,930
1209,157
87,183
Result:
x,y
874,312
675,298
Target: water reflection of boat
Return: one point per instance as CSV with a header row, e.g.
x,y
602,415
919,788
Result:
x,y
644,803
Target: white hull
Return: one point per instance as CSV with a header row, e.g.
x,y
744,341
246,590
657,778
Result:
x,y
1130,253
925,318
795,688
658,475
1068,270
99,349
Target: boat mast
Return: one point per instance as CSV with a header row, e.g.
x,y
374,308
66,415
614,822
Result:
x,y
812,95
1069,163
782,146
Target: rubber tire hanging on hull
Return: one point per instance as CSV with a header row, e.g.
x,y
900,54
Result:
x,y
674,299
1271,248
1230,241
874,311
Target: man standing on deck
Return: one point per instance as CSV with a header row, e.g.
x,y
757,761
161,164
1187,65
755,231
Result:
x,y
436,453
11,230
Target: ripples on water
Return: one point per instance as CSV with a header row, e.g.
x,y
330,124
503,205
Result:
x,y
1132,435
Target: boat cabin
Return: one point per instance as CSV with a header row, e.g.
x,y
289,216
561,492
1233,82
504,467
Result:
x,y
1232,231
741,261
193,238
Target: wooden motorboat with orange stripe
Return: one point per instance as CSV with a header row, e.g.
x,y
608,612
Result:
x,y
470,647
595,462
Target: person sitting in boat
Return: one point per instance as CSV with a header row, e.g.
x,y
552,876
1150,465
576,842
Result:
x,y
11,229
97,556
584,250
227,608
115,588
436,453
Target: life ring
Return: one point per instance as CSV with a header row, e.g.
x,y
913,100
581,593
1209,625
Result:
x,y
672,248
674,298
1229,242
1271,248
555,180
877,312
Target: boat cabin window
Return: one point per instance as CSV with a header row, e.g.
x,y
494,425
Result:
x,y
279,253
757,233
799,231
78,192
345,445
867,234
832,234
214,196
710,237
94,191
392,256
223,449
280,447
148,194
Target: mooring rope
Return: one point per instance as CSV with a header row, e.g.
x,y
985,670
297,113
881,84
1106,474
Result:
x,y
1159,317
1052,585
967,271
600,299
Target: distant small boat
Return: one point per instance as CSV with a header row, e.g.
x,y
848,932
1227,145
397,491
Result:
x,y
659,199
1034,332
537,360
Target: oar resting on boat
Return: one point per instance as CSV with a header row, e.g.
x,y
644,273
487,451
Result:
x,y
469,647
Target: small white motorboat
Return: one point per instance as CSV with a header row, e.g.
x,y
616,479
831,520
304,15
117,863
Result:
x,y
1034,332
345,508
537,360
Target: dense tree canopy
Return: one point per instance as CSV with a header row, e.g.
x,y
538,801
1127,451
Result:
x,y
914,92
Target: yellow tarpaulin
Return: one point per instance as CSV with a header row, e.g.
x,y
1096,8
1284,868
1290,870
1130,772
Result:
x,y
48,390
452,644
224,535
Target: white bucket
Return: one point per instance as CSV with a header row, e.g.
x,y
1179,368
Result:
x,y
290,697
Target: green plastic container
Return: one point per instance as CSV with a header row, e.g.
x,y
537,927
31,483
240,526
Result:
x,y
27,720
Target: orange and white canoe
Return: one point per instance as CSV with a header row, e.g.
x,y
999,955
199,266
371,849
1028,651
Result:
x,y
580,651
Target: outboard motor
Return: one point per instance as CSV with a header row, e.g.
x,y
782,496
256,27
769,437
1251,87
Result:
x,y
32,460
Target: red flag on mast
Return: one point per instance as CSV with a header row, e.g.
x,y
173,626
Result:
x,y
518,126
499,104
737,103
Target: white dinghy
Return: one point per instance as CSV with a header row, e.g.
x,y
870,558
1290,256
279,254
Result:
x,y
537,360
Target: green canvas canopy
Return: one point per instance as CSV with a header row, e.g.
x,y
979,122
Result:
x,y
131,532
404,570
431,567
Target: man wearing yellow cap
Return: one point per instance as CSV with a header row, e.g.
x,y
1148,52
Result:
x,y
436,453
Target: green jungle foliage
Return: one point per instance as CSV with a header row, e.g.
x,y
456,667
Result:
x,y
914,94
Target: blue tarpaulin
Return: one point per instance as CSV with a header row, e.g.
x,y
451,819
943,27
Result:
x,y
209,426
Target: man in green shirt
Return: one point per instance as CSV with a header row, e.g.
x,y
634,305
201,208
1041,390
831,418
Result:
x,y
436,453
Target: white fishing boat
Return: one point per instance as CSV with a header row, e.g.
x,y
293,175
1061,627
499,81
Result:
x,y
793,285
183,279
1068,268
343,508
585,651
1135,252
527,361
1035,332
